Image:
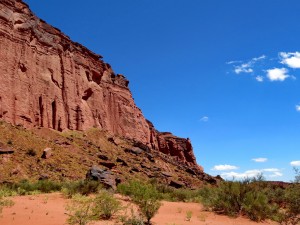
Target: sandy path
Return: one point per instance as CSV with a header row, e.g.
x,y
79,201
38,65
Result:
x,y
49,209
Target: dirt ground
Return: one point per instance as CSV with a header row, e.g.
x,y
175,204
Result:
x,y
49,209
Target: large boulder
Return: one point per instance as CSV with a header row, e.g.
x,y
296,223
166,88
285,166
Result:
x,y
104,176
47,153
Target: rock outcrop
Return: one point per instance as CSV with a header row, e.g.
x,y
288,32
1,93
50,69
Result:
x,y
47,80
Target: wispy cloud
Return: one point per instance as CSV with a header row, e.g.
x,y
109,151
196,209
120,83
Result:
x,y
259,58
259,78
204,119
233,62
274,69
245,67
297,108
260,160
295,163
270,172
277,74
291,59
224,167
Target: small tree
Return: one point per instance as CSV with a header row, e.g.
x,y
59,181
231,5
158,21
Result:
x,y
297,176
144,195
105,205
80,210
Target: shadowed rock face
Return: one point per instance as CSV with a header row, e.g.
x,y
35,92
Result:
x,y
47,80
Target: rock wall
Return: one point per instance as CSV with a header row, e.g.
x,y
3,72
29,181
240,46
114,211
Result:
x,y
47,80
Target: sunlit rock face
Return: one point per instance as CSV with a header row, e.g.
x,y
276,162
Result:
x,y
47,80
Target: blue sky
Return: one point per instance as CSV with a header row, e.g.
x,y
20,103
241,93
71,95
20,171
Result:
x,y
224,73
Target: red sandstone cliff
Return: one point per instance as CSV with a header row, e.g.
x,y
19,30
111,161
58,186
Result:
x,y
47,80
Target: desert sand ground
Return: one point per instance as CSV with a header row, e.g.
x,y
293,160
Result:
x,y
49,209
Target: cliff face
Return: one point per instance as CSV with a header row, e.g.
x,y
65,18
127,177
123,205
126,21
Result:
x,y
47,80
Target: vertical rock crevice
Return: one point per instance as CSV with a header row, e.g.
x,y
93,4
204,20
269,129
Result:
x,y
41,112
64,91
54,114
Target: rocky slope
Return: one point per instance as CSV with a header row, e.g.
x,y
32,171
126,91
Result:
x,y
47,80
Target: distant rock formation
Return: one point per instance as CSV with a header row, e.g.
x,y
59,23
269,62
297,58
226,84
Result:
x,y
47,80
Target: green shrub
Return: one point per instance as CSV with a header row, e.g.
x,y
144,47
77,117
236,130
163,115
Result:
x,y
83,187
134,219
146,196
177,195
80,210
247,197
290,214
105,205
26,187
5,203
256,206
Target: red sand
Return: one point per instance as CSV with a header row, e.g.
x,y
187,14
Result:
x,y
49,209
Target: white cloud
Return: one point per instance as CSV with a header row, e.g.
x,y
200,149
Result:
x,y
224,167
270,172
259,58
291,59
277,74
259,78
276,174
246,67
204,119
295,163
298,108
233,62
260,160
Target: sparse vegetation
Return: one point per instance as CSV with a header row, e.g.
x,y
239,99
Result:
x,y
144,195
135,218
83,187
233,198
31,152
105,205
188,215
5,202
80,210
290,213
25,187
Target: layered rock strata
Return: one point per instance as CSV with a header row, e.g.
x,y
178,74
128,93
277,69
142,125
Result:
x,y
47,80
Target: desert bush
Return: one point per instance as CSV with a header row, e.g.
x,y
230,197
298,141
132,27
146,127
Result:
x,y
144,195
290,213
31,152
188,215
80,210
176,195
26,187
106,205
83,187
256,206
233,198
5,203
134,219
